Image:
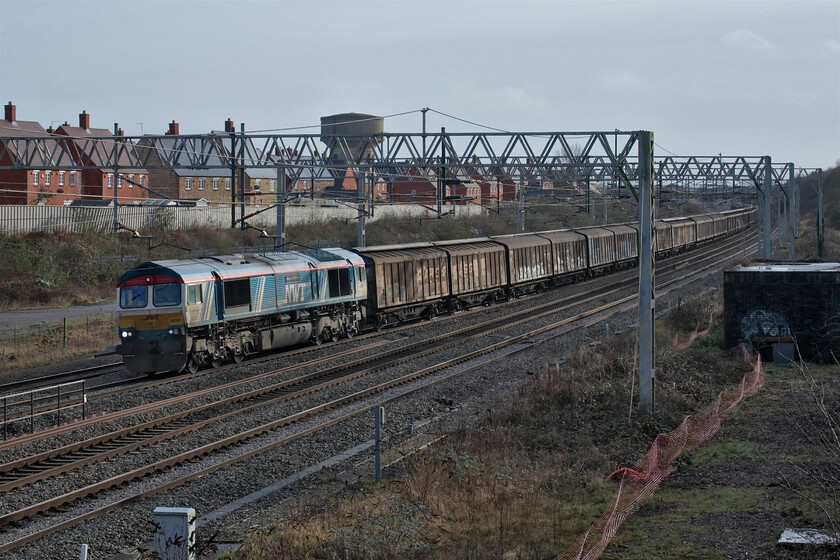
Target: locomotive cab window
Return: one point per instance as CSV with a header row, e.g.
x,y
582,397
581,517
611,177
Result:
x,y
194,294
133,297
238,293
167,295
339,281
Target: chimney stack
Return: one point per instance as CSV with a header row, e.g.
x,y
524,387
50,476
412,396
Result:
x,y
120,132
84,120
173,129
229,126
11,112
50,130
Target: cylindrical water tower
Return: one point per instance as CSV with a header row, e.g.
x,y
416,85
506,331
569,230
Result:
x,y
347,136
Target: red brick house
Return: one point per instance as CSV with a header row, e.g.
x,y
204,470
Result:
x,y
99,184
47,185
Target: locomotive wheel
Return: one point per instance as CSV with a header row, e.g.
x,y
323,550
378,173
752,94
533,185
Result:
x,y
334,335
192,365
215,362
238,358
318,340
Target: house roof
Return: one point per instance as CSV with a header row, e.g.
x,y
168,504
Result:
x,y
97,151
17,129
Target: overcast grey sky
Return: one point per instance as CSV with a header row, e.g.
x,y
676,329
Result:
x,y
708,77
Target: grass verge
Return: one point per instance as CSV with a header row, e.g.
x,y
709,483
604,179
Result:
x,y
528,481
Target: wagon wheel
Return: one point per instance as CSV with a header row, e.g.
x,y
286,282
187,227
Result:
x,y
215,362
379,323
334,335
238,357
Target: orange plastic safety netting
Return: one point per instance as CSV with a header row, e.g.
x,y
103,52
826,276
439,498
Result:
x,y
638,483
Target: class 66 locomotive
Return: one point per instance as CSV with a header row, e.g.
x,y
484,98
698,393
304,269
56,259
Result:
x,y
177,315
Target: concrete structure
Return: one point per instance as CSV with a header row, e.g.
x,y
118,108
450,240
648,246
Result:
x,y
770,306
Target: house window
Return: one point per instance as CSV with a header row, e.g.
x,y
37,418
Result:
x,y
72,178
227,184
188,183
61,178
110,180
201,184
215,183
256,184
142,180
273,185
119,181
131,181
47,177
36,177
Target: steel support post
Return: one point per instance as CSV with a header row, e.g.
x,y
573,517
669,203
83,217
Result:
x,y
647,376
521,204
242,178
768,186
281,209
232,178
820,239
116,180
791,208
360,185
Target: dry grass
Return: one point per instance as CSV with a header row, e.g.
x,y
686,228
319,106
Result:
x,y
46,344
530,479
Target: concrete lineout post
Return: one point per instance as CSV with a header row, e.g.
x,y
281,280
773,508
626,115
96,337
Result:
x,y
378,422
768,186
791,206
647,376
281,209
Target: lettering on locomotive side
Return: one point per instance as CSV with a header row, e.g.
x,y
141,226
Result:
x,y
295,293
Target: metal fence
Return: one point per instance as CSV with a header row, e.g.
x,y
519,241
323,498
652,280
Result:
x,y
80,219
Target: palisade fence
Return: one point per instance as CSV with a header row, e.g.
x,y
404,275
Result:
x,y
84,219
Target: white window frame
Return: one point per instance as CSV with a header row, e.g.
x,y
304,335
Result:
x,y
110,180
188,184
257,186
47,178
215,183
131,178
273,185
73,179
36,177
61,178
227,184
201,183
119,181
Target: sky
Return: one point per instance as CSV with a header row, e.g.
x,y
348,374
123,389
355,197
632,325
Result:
x,y
707,77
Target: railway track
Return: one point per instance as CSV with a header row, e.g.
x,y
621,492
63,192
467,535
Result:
x,y
31,470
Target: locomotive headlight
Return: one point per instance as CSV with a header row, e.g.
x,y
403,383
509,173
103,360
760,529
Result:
x,y
125,334
174,331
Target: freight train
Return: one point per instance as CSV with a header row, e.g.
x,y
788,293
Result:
x,y
186,314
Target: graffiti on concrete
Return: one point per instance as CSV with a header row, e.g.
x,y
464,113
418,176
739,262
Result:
x,y
764,324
